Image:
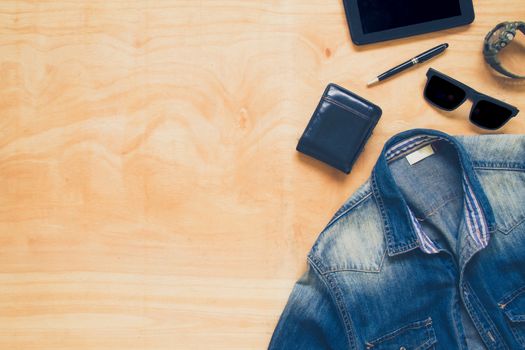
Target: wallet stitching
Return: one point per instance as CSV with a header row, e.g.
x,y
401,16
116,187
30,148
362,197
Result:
x,y
347,108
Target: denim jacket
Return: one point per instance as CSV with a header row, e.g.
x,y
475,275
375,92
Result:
x,y
428,254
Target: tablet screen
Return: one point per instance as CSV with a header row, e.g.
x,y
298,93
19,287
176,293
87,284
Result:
x,y
378,15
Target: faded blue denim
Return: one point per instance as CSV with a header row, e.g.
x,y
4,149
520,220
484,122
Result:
x,y
422,256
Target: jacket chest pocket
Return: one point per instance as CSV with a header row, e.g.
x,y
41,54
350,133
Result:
x,y
513,306
414,336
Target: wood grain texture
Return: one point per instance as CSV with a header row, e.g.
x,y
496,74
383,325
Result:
x,y
150,192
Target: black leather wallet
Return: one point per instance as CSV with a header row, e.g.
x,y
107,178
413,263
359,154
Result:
x,y
339,128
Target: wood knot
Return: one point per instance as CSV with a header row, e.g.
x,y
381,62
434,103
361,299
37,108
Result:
x,y
243,118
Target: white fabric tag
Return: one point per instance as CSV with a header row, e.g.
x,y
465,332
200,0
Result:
x,y
420,154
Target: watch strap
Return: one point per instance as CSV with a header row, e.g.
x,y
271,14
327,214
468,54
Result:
x,y
492,49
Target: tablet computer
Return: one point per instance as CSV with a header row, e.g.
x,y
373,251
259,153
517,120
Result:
x,y
378,20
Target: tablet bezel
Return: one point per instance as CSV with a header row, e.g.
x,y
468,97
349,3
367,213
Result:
x,y
353,17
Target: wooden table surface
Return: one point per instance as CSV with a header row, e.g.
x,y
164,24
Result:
x,y
150,193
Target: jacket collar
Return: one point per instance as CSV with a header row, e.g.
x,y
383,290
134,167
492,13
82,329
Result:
x,y
402,231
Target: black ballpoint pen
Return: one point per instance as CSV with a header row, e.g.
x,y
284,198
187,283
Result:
x,y
425,56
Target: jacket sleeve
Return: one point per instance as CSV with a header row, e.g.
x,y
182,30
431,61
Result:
x,y
310,319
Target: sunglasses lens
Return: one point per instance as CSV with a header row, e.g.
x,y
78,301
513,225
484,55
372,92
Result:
x,y
443,93
490,115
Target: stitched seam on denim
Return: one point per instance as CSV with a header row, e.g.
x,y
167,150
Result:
x,y
475,319
519,170
345,269
425,243
348,269
360,201
503,167
507,231
482,210
508,298
333,221
515,331
346,316
380,204
359,114
356,197
456,316
434,210
400,249
427,343
395,248
431,333
492,327
517,318
336,294
511,166
514,327
392,334
341,310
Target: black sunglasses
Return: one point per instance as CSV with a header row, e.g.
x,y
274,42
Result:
x,y
446,93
